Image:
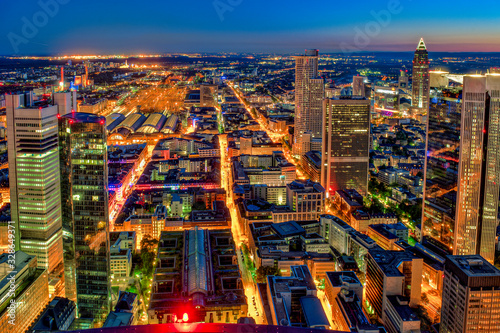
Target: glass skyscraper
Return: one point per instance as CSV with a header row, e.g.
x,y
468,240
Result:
x,y
441,172
462,171
84,189
479,169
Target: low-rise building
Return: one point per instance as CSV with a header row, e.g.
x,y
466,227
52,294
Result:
x,y
392,273
197,279
120,263
398,317
293,300
311,164
380,234
125,313
344,294
348,201
58,316
390,175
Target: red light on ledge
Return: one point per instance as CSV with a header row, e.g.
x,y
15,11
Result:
x,y
101,121
58,116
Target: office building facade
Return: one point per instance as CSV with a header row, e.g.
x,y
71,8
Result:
x,y
83,153
34,179
309,94
19,309
462,172
471,296
346,142
441,174
479,168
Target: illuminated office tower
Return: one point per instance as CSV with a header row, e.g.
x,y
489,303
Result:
x,y
34,179
441,173
84,189
462,171
309,94
479,168
420,85
345,149
471,290
358,86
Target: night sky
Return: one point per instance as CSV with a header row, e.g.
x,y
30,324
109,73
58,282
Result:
x,y
151,26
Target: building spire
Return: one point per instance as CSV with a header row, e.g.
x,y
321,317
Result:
x,y
421,45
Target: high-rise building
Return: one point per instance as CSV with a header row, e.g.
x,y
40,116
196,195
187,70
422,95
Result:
x,y
358,86
479,168
84,188
34,179
420,85
403,81
65,101
462,172
471,293
346,141
309,94
441,174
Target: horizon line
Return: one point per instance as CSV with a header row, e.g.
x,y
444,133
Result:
x,y
227,52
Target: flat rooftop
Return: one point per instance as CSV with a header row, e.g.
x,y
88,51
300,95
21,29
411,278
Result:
x,y
474,266
389,261
403,310
287,229
338,278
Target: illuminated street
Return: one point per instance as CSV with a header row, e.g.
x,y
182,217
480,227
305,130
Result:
x,y
115,210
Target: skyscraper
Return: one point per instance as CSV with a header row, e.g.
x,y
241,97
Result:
x,y
84,188
471,289
309,94
65,101
441,173
462,172
479,168
34,179
345,150
358,86
420,86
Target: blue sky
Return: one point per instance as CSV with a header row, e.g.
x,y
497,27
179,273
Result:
x,y
111,26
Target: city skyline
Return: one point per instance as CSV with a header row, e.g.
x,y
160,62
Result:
x,y
62,26
232,165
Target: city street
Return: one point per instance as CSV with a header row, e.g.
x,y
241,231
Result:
x,y
116,209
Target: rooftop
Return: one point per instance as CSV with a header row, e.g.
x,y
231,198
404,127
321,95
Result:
x,y
474,265
288,229
382,230
400,304
313,312
389,261
83,117
337,279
